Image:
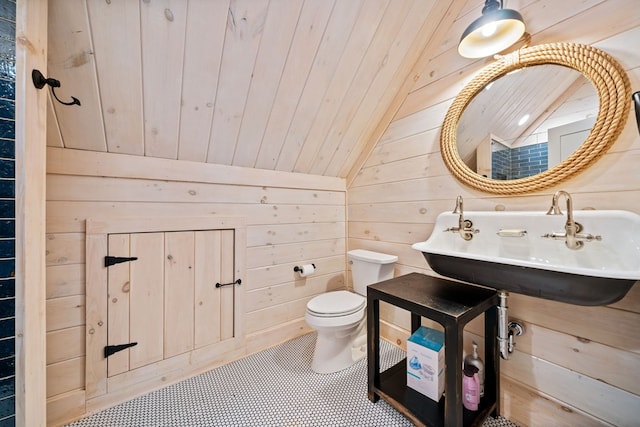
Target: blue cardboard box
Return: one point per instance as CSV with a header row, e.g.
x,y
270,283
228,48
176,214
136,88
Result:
x,y
425,362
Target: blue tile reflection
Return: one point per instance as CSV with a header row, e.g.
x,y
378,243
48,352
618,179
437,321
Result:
x,y
7,212
7,387
7,269
7,168
7,189
8,29
7,228
7,347
8,69
7,89
7,149
7,327
7,208
7,50
8,9
7,367
7,109
7,249
7,406
7,288
7,128
7,309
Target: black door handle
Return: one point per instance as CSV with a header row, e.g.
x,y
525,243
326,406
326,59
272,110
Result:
x,y
237,282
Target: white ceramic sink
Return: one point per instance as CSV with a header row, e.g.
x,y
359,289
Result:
x,y
600,272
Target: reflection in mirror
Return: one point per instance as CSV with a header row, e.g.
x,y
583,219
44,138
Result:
x,y
526,121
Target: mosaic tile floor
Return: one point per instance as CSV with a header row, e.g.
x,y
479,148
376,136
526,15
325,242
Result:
x,y
275,387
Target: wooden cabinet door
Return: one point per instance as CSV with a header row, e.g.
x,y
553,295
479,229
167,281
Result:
x,y
167,300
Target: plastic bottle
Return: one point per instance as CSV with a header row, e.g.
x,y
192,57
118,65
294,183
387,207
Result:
x,y
474,360
470,388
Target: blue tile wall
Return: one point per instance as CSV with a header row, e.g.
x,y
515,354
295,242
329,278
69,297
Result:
x,y
7,212
7,328
501,164
521,162
529,160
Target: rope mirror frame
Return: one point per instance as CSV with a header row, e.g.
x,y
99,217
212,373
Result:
x,y
602,70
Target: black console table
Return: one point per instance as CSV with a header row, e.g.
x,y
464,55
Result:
x,y
453,305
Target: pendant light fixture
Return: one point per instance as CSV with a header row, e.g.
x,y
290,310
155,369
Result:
x,y
493,32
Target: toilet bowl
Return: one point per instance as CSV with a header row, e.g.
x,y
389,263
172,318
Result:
x,y
339,316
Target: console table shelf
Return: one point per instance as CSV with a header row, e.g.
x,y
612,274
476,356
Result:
x,y
453,305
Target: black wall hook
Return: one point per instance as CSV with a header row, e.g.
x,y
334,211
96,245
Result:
x,y
39,81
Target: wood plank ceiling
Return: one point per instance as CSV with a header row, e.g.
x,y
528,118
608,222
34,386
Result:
x,y
288,85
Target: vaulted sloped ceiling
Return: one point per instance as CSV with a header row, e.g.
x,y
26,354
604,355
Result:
x,y
288,85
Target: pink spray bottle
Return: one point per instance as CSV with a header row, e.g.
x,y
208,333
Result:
x,y
470,388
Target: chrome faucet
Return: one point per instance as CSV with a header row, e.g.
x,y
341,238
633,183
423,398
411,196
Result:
x,y
571,236
465,227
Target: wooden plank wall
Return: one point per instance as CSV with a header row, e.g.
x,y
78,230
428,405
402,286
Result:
x,y
575,365
291,219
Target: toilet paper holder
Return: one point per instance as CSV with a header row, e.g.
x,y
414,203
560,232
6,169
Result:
x,y
301,269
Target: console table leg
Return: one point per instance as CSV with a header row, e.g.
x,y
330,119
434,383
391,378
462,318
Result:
x,y
416,322
373,348
492,358
453,375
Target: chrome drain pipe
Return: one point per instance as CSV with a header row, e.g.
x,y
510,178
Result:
x,y
503,339
507,330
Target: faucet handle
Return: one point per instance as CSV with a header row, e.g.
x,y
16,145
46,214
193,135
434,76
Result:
x,y
589,237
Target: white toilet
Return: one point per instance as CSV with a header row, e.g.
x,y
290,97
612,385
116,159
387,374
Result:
x,y
339,316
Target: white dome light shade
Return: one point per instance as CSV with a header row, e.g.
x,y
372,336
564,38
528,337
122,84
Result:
x,y
493,32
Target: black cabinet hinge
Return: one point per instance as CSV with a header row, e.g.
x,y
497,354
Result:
x,y
111,349
113,260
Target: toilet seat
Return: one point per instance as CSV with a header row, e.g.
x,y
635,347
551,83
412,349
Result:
x,y
336,303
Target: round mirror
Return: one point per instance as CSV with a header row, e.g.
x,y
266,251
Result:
x,y
535,117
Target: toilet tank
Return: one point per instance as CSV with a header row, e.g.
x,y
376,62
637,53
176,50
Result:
x,y
369,267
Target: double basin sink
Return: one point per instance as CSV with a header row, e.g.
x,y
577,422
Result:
x,y
529,252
